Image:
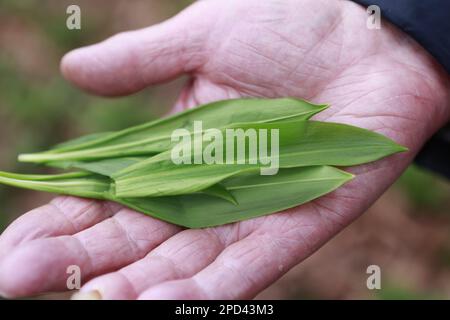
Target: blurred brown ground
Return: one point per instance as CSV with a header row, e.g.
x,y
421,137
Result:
x,y
406,233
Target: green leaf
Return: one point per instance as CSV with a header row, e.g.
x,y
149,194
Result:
x,y
81,184
74,143
134,166
107,167
302,143
256,195
219,191
154,137
104,167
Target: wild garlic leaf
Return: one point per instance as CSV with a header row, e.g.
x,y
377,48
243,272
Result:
x,y
134,166
74,143
219,191
107,167
154,137
256,195
81,184
302,143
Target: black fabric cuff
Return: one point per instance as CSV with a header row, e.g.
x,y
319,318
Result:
x,y
428,22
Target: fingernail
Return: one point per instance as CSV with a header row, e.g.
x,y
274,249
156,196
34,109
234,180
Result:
x,y
89,295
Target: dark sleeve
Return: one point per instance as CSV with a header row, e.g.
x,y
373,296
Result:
x,y
428,22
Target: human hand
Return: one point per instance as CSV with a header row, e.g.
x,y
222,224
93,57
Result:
x,y
319,50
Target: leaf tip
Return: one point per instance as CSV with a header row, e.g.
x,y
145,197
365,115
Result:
x,y
398,148
233,200
348,176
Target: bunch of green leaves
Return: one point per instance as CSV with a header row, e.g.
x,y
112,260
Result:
x,y
134,166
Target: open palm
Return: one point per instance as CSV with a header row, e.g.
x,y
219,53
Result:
x,y
318,50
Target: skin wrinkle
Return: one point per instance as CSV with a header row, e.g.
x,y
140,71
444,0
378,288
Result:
x,y
160,253
367,182
204,293
288,224
102,260
11,242
149,243
214,93
267,13
195,44
265,84
60,202
254,50
237,233
200,238
285,40
236,265
286,244
90,206
153,49
402,134
209,45
327,214
386,114
224,92
343,197
317,217
112,208
72,224
129,283
245,281
299,237
222,235
246,89
313,48
134,247
396,109
351,83
339,195
120,234
359,97
100,63
178,272
61,212
90,262
136,65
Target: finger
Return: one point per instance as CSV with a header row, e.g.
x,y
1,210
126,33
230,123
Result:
x,y
130,61
62,216
179,257
251,264
41,265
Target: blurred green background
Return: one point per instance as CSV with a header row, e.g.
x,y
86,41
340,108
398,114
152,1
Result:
x,y
406,233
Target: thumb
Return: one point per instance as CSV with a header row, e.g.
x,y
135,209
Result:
x,y
130,61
